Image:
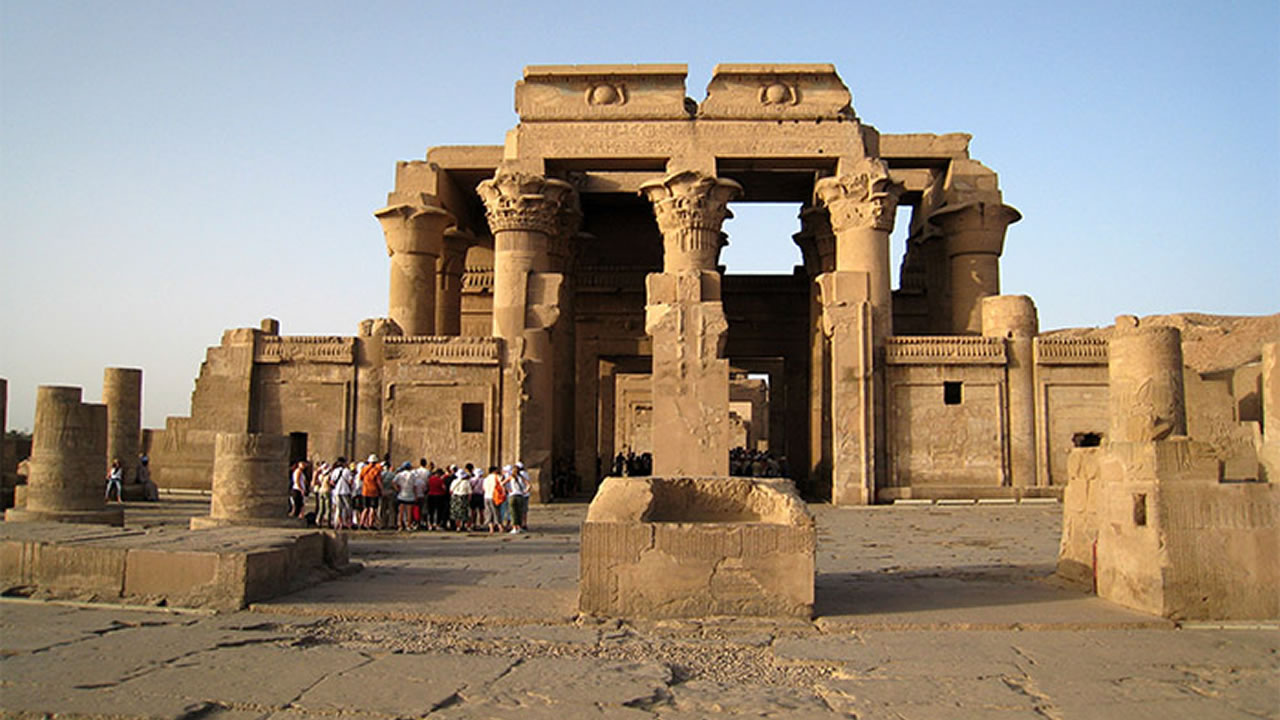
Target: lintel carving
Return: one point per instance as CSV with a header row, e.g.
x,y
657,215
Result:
x,y
945,350
442,350
1050,350
305,348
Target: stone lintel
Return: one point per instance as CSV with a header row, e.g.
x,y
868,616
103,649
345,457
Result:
x,y
601,92
465,157
923,148
776,92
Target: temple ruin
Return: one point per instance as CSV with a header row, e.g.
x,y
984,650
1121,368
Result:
x,y
559,298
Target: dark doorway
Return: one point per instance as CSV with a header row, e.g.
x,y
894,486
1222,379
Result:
x,y
297,447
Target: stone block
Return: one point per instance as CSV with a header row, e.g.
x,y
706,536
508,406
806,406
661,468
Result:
x,y
693,547
602,92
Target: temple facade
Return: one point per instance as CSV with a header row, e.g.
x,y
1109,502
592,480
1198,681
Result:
x,y
559,298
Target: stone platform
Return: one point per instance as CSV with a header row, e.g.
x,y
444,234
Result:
x,y
697,547
221,569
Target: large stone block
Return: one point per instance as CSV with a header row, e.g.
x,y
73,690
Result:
x,y
692,547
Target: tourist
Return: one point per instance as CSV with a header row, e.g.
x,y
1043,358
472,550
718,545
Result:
x,y
370,493
343,488
438,500
115,479
298,489
149,489
406,496
460,501
388,507
322,488
493,494
477,494
519,500
421,475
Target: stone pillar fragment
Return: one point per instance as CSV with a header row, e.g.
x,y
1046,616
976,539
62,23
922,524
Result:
x,y
1013,317
67,478
974,241
250,482
1269,454
848,319
122,394
449,269
685,318
525,212
1144,370
415,240
817,244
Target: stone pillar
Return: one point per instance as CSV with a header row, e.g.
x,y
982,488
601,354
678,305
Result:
x,y
67,481
1144,371
817,244
449,269
415,239
122,394
1013,317
250,482
685,318
525,211
974,240
1269,455
858,317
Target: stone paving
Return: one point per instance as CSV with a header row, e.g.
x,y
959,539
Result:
x,y
922,612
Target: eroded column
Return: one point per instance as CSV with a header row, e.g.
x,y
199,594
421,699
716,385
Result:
x,y
1013,317
449,269
1144,371
525,211
67,478
685,318
250,482
415,240
857,315
974,241
1269,454
122,394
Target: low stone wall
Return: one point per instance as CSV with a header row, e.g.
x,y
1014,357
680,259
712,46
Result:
x,y
223,569
696,547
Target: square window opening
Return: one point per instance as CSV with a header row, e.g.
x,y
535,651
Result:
x,y
951,394
472,417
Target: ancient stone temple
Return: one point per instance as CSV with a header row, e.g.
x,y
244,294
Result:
x,y
559,299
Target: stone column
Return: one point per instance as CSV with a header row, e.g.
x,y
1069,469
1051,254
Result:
x,y
415,240
524,213
1269,455
817,244
67,480
449,269
974,240
250,482
122,394
1144,371
858,317
1013,317
685,318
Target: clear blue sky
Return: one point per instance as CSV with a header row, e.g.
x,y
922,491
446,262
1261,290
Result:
x,y
169,169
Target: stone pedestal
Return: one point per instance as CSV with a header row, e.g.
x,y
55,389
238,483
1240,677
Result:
x,y
250,482
415,240
663,547
685,318
1013,317
122,394
974,241
525,211
67,477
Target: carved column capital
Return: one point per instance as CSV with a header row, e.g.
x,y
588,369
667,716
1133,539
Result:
x,y
414,229
515,200
690,208
864,198
975,227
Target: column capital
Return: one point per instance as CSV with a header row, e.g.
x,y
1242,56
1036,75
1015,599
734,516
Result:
x,y
817,240
414,228
975,227
516,200
864,198
690,208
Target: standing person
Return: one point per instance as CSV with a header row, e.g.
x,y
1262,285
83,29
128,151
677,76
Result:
x,y
519,500
149,489
421,478
438,501
343,488
322,486
406,496
370,493
494,495
388,509
298,489
115,479
477,494
460,501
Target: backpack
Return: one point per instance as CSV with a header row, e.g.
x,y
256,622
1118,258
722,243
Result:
x,y
499,493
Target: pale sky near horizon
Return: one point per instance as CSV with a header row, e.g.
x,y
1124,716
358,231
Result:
x,y
169,169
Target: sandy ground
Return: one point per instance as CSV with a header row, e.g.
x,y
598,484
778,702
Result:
x,y
922,612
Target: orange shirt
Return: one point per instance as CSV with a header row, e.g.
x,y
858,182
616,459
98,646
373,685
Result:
x,y
371,480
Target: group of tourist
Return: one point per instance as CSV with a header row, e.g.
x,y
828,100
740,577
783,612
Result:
x,y
629,464
141,476
755,463
375,494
